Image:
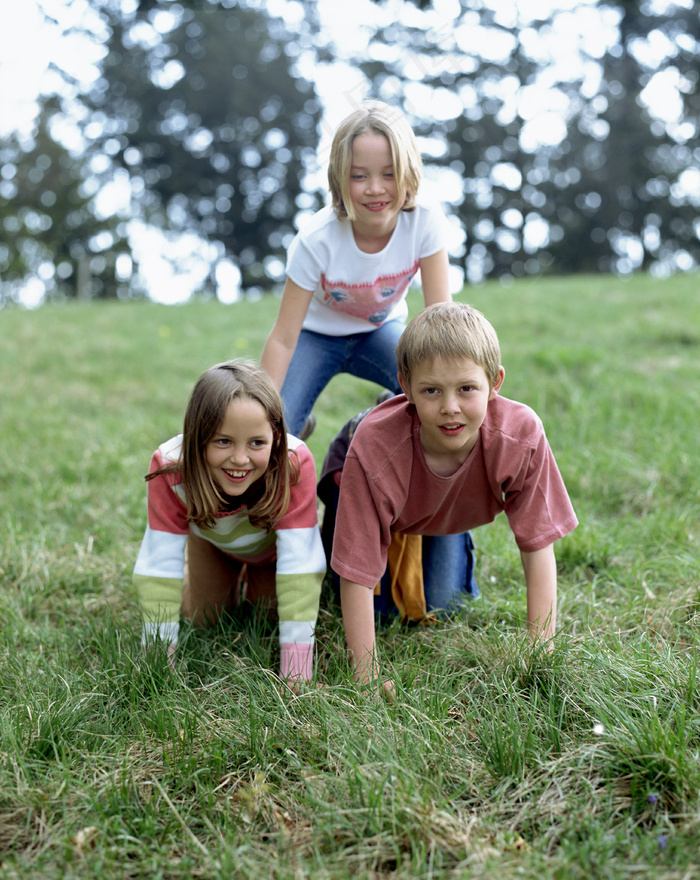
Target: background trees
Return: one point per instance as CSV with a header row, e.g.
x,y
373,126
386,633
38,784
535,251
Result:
x,y
569,157
199,122
563,143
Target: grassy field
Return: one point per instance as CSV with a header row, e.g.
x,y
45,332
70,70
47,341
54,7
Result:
x,y
495,760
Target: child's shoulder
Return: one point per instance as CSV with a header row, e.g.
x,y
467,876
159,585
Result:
x,y
385,430
169,452
510,418
322,221
299,452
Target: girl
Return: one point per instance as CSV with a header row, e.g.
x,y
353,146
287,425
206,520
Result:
x,y
233,489
344,307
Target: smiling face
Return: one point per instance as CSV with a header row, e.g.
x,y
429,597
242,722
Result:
x,y
451,398
239,452
375,199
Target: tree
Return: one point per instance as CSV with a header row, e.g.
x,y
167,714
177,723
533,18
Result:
x,y
201,121
606,184
627,206
204,108
51,230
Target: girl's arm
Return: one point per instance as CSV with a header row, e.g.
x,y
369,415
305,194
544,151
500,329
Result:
x,y
300,569
283,337
540,569
434,278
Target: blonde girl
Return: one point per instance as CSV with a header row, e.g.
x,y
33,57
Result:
x,y
233,490
344,307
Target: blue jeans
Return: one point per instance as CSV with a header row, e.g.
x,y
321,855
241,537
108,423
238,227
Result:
x,y
448,576
317,358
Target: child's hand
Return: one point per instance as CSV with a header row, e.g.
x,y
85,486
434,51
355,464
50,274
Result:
x,y
299,686
150,647
171,654
388,690
380,688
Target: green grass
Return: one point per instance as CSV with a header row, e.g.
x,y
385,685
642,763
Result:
x,y
495,760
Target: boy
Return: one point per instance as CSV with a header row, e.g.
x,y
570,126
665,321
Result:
x,y
448,456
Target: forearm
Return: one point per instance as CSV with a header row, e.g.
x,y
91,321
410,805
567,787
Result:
x,y
541,580
276,357
357,604
284,335
434,273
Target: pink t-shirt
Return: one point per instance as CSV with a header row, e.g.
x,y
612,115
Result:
x,y
387,486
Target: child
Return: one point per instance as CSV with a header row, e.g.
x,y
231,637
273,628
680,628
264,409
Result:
x,y
344,307
449,456
232,490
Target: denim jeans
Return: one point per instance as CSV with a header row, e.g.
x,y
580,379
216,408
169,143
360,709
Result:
x,y
318,358
448,576
448,568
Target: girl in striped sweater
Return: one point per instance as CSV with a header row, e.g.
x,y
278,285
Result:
x,y
233,490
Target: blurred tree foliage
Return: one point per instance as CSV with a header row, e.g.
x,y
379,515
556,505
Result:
x,y
203,119
616,189
50,230
203,107
200,115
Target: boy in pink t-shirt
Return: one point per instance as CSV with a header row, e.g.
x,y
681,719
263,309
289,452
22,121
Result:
x,y
448,456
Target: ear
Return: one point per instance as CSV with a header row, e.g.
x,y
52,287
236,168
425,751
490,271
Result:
x,y
405,387
497,386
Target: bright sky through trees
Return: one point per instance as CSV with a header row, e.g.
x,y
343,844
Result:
x,y
34,44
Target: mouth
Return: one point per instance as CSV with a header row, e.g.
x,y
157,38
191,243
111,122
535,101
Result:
x,y
451,430
376,206
236,476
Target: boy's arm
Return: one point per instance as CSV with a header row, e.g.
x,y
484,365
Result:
x,y
540,569
434,274
284,335
357,603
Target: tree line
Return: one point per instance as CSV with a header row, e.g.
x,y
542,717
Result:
x,y
204,118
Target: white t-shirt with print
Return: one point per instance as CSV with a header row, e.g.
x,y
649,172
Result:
x,y
353,291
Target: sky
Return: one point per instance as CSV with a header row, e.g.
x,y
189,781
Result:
x,y
29,44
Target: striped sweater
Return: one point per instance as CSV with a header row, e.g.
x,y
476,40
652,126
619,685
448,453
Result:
x,y
294,543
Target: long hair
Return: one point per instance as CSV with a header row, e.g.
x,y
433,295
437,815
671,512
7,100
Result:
x,y
268,498
408,166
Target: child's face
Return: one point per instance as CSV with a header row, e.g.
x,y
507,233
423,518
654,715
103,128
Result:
x,y
373,193
239,452
451,398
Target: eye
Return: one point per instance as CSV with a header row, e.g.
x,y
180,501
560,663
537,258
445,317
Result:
x,y
256,444
221,441
431,392
467,388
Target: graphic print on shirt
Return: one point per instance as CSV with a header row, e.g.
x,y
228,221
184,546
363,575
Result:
x,y
372,302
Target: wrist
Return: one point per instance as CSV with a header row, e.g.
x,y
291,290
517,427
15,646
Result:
x,y
296,660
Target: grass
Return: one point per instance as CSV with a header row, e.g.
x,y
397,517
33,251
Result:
x,y
495,759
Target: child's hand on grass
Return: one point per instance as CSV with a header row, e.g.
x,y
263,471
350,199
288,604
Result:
x,y
382,688
300,686
150,647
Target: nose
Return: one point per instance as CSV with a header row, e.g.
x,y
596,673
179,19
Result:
x,y
375,184
238,455
450,404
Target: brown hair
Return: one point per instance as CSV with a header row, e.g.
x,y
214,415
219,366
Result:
x,y
206,408
408,165
449,330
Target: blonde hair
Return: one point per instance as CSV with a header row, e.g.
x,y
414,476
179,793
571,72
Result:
x,y
453,331
406,159
212,393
